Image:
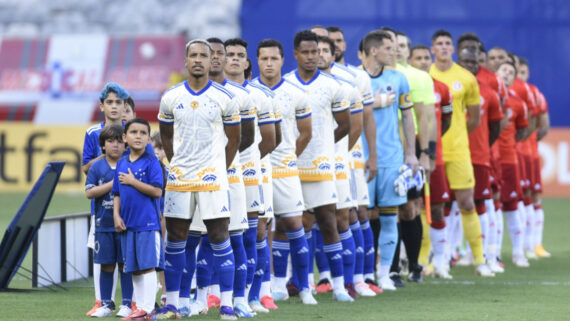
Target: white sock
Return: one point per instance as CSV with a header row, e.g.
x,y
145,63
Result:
x,y
311,278
215,290
338,283
202,295
514,227
238,300
149,290
384,270
226,299
115,277
484,222
529,232
438,245
138,290
500,228
184,301
522,220
358,278
449,221
172,298
491,236
265,289
97,280
539,226
246,291
279,283
325,275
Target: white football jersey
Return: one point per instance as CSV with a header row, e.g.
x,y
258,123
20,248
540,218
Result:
x,y
325,97
199,160
342,156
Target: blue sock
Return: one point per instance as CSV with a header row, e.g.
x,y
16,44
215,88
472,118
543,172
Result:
x,y
320,256
299,257
334,254
259,270
175,260
348,255
249,240
188,272
106,286
359,244
280,251
225,264
368,247
126,288
204,263
240,263
267,266
388,238
311,241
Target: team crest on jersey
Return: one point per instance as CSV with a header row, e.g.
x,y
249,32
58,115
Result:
x,y
389,87
457,85
509,113
194,104
482,101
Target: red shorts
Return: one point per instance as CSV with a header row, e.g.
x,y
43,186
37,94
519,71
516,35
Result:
x,y
523,176
496,176
511,190
482,184
529,168
439,188
537,184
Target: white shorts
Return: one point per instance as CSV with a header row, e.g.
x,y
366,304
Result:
x,y
343,194
268,212
254,198
353,194
184,205
238,212
91,236
287,195
317,194
361,187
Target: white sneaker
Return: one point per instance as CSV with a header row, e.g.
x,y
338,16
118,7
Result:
x,y
465,260
484,271
102,312
531,255
123,311
495,267
520,261
386,283
363,289
442,273
307,297
198,307
256,307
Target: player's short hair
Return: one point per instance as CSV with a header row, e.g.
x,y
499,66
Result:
x,y
511,56
318,27
304,35
113,87
468,36
247,71
155,139
361,45
137,121
131,103
482,48
498,48
387,29
523,61
408,41
441,33
329,41
510,64
212,40
418,47
374,39
110,132
194,41
335,29
268,43
235,42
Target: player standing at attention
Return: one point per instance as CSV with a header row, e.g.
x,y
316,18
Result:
x,y
112,104
466,100
359,220
387,149
107,241
315,164
496,57
511,191
137,187
480,141
420,58
422,95
289,236
197,115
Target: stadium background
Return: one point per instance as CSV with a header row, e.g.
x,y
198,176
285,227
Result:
x,y
56,55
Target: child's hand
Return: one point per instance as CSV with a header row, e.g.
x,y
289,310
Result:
x,y
127,179
119,224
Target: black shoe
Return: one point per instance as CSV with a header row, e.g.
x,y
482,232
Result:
x,y
397,279
112,306
416,275
292,289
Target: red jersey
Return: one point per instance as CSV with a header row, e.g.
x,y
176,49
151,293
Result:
x,y
479,138
522,90
542,108
443,109
516,111
490,79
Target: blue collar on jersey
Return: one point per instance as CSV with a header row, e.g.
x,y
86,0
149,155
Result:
x,y
308,82
245,83
380,74
197,93
274,87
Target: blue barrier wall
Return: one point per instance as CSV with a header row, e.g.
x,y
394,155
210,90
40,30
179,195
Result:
x,y
536,29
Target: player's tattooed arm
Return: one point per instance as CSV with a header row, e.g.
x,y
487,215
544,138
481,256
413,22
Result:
x,y
247,134
166,134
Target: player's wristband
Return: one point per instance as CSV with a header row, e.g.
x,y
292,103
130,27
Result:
x,y
383,100
431,148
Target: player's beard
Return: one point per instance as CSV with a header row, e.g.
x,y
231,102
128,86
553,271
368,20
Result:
x,y
339,57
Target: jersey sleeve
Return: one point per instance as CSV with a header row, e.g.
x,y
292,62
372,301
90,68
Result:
x,y
521,121
156,177
356,105
165,113
276,111
365,89
302,108
246,108
92,176
472,95
494,107
404,97
89,149
230,113
339,99
115,189
265,114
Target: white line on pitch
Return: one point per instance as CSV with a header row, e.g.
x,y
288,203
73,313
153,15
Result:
x,y
498,283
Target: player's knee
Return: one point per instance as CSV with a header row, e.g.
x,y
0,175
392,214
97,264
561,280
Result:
x,y
261,231
108,268
406,212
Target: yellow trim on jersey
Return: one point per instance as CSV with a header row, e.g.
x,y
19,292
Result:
x,y
340,175
358,165
234,180
406,101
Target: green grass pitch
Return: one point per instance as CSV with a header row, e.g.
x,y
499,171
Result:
x,y
541,292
